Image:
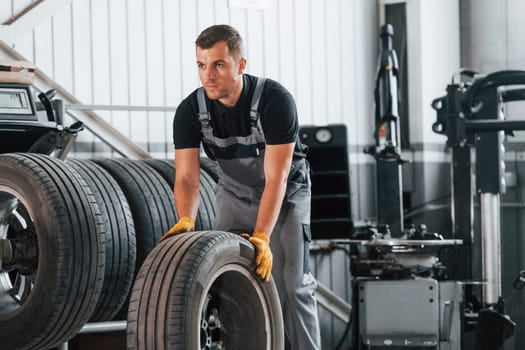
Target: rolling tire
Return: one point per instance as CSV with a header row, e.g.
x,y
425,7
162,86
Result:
x,y
120,242
198,290
150,199
50,289
206,213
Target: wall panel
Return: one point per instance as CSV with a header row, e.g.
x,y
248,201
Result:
x,y
62,46
270,52
286,68
303,60
142,53
100,37
318,63
334,63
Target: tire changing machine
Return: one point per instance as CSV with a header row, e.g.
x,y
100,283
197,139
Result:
x,y
401,295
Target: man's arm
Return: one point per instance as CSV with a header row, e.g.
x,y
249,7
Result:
x,y
187,177
277,162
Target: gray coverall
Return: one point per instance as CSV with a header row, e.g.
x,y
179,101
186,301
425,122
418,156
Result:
x,y
238,192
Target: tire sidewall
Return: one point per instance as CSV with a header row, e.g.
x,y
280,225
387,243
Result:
x,y
43,220
233,253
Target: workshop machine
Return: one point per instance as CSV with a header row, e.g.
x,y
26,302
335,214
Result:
x,y
27,125
402,297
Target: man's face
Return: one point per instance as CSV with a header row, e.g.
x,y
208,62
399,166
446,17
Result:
x,y
220,72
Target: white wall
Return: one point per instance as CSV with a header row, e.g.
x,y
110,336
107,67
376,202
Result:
x,y
138,52
433,56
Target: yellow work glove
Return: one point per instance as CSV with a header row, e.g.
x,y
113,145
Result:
x,y
184,224
263,254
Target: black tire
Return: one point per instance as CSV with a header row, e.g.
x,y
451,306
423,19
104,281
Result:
x,y
210,166
150,199
198,290
207,203
50,215
165,168
206,212
120,239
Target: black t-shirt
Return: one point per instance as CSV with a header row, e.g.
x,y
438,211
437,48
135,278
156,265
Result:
x,y
276,109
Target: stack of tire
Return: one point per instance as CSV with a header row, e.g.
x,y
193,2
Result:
x,y
84,233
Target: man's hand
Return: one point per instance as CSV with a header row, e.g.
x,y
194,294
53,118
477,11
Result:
x,y
263,254
185,224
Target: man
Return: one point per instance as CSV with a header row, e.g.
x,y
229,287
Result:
x,y
250,126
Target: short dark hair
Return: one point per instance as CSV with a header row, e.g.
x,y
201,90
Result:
x,y
221,32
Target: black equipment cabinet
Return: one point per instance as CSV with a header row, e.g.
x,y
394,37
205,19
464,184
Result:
x,y
328,156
